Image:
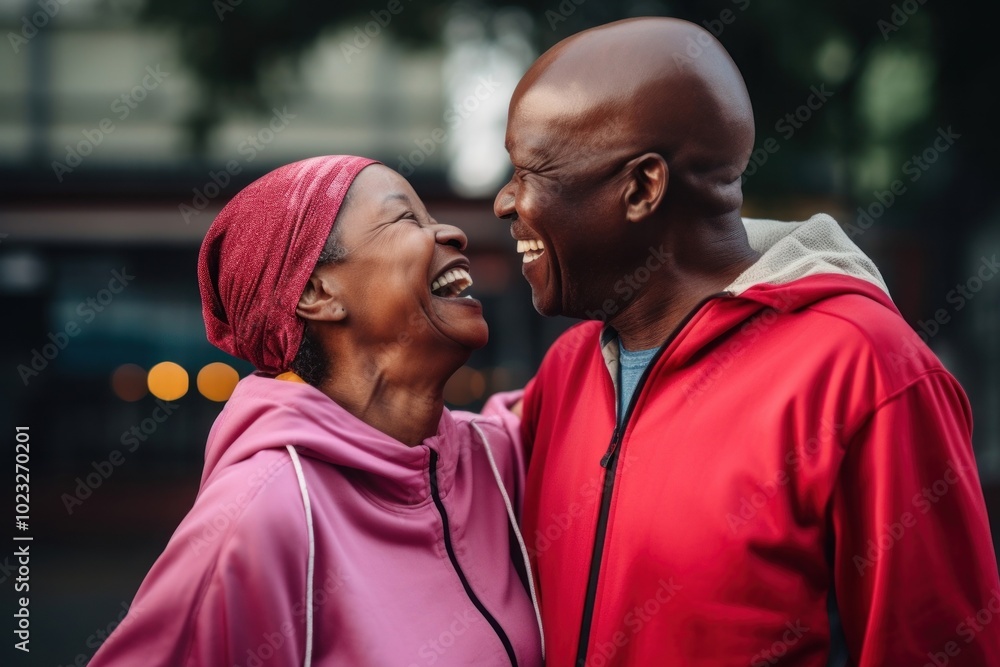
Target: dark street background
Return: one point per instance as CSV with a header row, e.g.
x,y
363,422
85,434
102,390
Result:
x,y
125,125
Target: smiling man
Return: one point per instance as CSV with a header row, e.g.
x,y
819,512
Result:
x,y
746,455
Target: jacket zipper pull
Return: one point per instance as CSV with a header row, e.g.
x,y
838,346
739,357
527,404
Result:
x,y
606,459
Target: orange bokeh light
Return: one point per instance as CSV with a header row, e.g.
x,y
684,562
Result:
x,y
128,381
216,381
167,381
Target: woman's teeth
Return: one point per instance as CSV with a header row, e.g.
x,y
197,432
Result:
x,y
451,283
532,250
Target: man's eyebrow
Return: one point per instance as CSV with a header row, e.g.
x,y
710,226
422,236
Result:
x,y
530,155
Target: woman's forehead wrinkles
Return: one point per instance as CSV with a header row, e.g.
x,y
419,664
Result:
x,y
392,197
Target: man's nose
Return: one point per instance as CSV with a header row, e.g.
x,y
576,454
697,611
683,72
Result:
x,y
503,205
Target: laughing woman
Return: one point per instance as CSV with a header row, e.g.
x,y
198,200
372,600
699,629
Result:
x,y
345,517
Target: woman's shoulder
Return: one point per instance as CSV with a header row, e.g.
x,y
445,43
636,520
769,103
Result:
x,y
255,502
497,429
496,414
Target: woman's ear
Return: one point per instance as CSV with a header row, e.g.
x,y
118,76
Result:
x,y
322,299
647,186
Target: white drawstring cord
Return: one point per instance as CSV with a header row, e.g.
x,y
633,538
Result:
x,y
517,531
307,662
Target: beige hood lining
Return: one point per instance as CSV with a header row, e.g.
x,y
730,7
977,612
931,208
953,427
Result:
x,y
793,250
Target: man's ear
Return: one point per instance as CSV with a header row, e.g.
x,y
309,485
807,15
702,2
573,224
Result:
x,y
647,185
322,299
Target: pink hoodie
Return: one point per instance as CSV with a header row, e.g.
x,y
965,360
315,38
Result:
x,y
316,539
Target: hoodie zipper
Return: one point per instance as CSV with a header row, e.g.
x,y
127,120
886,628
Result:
x,y
610,464
497,628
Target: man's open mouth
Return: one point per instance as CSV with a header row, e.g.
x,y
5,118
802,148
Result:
x,y
532,249
451,283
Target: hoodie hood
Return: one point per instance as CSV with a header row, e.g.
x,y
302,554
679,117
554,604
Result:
x,y
268,413
793,250
801,264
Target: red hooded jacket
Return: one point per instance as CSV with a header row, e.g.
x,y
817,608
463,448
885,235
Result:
x,y
794,482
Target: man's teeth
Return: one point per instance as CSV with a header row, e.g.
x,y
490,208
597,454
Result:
x,y
525,245
532,249
451,283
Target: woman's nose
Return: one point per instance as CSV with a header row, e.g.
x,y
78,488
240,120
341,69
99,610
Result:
x,y
451,235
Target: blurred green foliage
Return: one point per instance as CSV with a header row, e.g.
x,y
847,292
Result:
x,y
896,72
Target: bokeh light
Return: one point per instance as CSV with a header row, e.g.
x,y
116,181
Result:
x,y
465,386
167,381
128,381
216,381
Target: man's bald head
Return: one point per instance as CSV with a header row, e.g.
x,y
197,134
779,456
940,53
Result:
x,y
626,138
650,84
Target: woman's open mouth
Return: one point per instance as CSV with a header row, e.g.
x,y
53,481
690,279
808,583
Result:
x,y
451,283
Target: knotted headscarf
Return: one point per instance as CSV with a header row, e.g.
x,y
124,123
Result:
x,y
258,255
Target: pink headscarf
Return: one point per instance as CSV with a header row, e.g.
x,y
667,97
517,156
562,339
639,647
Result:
x,y
258,255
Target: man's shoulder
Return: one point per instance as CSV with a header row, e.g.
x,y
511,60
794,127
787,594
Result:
x,y
855,325
859,316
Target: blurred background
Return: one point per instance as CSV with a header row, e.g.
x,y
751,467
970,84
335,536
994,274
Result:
x,y
125,125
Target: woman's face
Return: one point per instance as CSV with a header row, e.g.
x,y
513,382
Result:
x,y
404,273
